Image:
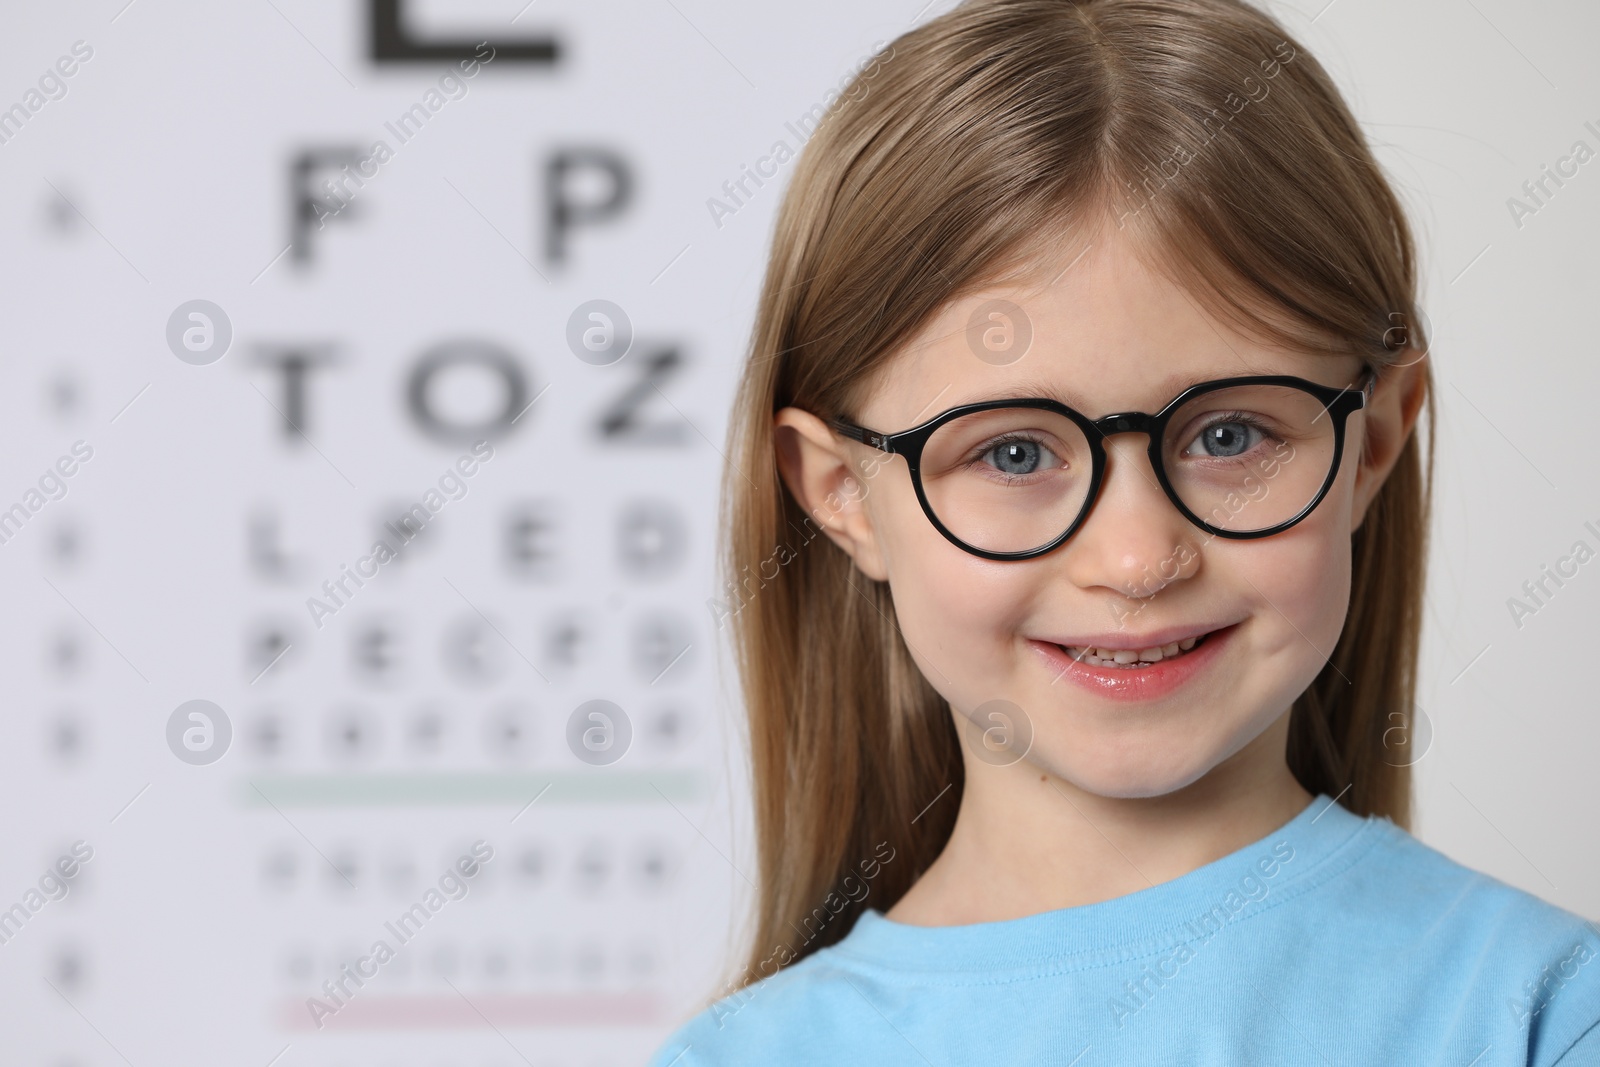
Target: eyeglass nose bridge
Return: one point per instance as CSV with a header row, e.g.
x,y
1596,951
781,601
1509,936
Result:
x,y
1153,427
1127,422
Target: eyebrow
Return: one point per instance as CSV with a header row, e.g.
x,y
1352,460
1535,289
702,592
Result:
x,y
1170,386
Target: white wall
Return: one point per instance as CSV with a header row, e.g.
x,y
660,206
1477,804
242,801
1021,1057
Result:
x,y
220,896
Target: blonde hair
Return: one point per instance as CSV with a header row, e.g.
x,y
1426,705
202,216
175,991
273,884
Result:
x,y
1226,150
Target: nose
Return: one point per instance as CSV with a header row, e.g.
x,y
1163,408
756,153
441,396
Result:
x,y
1135,541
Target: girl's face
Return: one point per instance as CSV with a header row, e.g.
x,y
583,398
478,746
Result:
x,y
1107,336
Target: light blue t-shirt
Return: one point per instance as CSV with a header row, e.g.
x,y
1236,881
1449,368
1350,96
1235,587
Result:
x,y
1337,940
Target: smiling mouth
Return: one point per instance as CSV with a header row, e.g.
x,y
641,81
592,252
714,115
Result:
x,y
1133,659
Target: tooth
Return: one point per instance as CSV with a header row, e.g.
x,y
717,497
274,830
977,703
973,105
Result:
x,y
1187,643
1170,649
1125,656
1150,655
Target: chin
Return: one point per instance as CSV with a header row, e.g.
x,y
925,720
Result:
x,y
1120,772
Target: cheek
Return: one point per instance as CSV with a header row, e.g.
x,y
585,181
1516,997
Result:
x,y
1300,580
957,612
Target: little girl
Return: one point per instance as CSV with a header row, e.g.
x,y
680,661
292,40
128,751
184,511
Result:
x,y
1089,341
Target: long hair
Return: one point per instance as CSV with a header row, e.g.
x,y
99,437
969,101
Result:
x,y
1225,148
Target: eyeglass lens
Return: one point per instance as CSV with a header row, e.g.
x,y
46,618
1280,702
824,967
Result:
x,y
1242,459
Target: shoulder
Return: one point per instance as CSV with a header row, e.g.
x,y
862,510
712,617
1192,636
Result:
x,y
1538,962
1416,882
774,1021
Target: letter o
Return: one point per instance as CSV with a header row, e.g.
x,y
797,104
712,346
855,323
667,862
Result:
x,y
460,353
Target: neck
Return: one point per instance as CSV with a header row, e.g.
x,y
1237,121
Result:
x,y
1026,841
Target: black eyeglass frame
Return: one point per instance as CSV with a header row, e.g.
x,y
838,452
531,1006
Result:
x,y
1337,402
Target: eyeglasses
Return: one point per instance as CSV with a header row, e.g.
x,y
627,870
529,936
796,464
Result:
x,y
1238,457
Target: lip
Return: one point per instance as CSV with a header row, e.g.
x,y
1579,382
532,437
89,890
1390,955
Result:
x,y
1143,683
1124,640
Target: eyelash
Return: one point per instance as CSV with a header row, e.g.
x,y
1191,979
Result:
x,y
990,445
1242,417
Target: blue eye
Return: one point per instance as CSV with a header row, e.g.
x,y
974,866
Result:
x,y
1020,456
1225,440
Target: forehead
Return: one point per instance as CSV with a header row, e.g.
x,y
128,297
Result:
x,y
1091,326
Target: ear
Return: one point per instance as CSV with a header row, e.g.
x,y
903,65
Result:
x,y
817,466
1390,418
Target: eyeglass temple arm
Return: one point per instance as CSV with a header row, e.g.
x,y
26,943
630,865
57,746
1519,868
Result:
x,y
860,433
